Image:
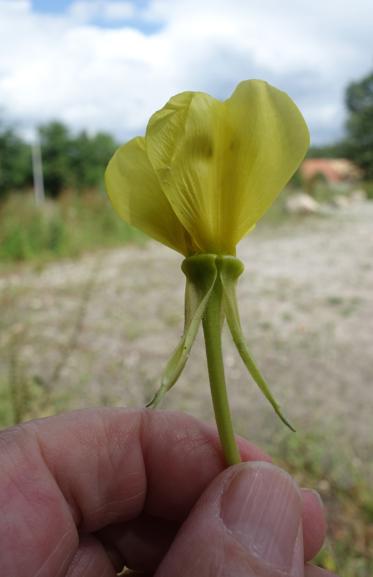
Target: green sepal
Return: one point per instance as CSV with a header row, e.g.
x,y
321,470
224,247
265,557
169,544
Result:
x,y
201,275
230,268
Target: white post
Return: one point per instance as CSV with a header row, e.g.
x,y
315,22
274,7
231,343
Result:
x,y
37,170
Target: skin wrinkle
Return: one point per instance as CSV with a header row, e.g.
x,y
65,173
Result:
x,y
176,439
113,506
54,490
298,552
115,457
64,566
188,444
119,448
84,562
70,500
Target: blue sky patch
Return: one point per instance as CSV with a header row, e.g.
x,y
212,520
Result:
x,y
50,6
136,21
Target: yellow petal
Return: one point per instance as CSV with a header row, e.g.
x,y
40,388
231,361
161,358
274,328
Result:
x,y
269,139
136,195
185,142
221,165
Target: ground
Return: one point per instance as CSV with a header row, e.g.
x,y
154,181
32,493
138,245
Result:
x,y
100,329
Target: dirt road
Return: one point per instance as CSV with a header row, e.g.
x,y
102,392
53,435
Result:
x,y
100,329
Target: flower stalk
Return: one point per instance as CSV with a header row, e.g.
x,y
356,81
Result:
x,y
210,298
212,327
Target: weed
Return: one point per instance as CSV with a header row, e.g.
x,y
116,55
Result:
x,y
347,496
64,228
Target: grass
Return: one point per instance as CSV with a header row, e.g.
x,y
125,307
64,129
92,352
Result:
x,y
319,464
67,228
367,186
78,223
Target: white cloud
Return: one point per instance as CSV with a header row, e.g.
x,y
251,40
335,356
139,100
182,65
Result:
x,y
66,66
88,10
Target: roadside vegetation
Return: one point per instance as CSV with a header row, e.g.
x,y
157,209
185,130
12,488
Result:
x,y
58,229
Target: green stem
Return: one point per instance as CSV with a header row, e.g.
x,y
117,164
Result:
x,y
212,332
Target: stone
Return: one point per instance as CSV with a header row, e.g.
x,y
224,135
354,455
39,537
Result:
x,y
302,203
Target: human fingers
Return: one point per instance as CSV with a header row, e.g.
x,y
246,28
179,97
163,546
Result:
x,y
90,559
94,468
314,523
142,543
248,523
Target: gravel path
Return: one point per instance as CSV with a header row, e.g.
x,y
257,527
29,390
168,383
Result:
x,y
100,329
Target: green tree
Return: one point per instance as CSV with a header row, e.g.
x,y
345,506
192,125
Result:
x,y
73,161
55,140
68,161
337,150
15,162
89,156
359,102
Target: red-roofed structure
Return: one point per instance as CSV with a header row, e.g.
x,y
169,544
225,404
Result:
x,y
334,170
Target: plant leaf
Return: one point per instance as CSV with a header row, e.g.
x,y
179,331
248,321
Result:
x,y
229,270
201,276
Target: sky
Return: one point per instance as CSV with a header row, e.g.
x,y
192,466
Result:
x,y
109,64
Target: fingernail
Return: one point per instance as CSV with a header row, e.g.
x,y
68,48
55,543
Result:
x,y
314,495
261,507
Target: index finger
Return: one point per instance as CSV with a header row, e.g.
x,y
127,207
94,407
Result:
x,y
113,464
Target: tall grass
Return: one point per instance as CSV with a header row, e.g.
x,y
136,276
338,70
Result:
x,y
63,228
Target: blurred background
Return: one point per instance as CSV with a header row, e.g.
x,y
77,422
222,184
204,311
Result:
x,y
90,309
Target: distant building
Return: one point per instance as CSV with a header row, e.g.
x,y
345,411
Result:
x,y
333,170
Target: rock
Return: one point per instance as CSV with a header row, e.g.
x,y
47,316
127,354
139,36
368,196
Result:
x,y
302,203
341,201
358,195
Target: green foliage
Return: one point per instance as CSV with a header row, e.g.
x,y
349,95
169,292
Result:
x,y
69,161
62,228
359,101
55,142
296,181
88,157
336,150
358,142
73,161
15,162
368,187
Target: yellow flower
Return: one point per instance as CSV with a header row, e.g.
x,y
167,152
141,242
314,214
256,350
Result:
x,y
206,170
203,175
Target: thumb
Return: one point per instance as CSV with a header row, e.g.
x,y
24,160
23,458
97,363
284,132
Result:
x,y
248,523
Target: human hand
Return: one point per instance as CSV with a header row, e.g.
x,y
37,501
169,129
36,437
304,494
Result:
x,y
88,491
